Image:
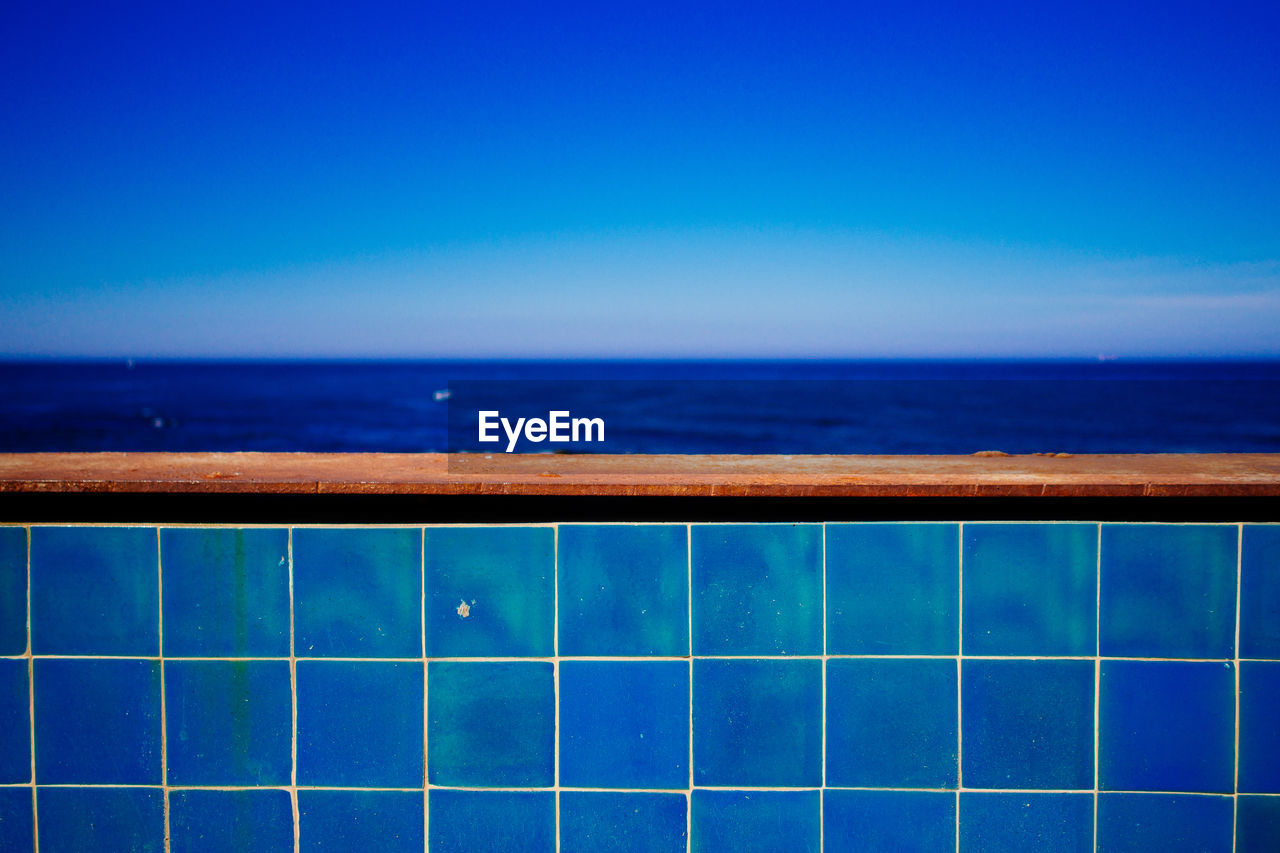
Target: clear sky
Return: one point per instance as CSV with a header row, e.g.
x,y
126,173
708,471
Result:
x,y
640,179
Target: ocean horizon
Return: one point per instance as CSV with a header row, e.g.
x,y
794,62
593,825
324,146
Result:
x,y
801,406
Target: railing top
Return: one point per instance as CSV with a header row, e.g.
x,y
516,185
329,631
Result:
x,y
1048,475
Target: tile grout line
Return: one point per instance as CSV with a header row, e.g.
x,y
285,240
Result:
x,y
688,807
555,663
822,797
293,712
1097,678
31,707
639,658
235,525
164,723
959,673
422,615
1235,784
574,788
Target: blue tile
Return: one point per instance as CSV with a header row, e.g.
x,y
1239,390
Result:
x,y
622,823
510,821
95,591
1166,726
757,722
755,821
492,724
1030,589
231,821
1260,591
757,589
1027,724
1016,823
15,722
900,821
1170,824
101,820
226,592
1257,824
891,723
360,724
13,591
490,591
17,828
385,821
1168,590
893,589
230,722
624,724
1259,734
357,593
97,722
624,589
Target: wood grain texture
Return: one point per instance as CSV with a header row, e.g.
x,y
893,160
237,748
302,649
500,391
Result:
x,y
1183,475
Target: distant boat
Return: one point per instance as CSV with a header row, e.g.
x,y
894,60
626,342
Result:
x,y
441,395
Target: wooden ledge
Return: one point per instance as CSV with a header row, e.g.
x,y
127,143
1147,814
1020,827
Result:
x,y
1158,475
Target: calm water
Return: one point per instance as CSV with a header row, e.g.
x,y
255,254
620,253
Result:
x,y
653,407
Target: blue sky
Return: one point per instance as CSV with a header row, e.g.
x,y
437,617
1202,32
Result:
x,y
640,180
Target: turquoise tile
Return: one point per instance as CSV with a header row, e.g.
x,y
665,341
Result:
x,y
1170,824
1259,733
490,591
757,723
1257,824
15,723
624,724
101,820
510,821
360,821
898,821
357,593
226,592
757,589
229,722
1260,591
891,723
95,591
97,722
1168,590
13,591
1016,823
624,589
893,589
755,821
1030,589
1166,726
17,821
231,821
491,724
360,724
1027,724
596,822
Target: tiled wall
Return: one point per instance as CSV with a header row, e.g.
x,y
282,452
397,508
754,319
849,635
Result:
x,y
771,687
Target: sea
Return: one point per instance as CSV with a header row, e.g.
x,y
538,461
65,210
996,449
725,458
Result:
x,y
788,406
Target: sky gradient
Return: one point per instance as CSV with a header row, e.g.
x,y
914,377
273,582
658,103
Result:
x,y
417,180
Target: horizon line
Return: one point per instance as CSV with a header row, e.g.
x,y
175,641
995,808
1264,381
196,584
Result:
x,y
764,359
